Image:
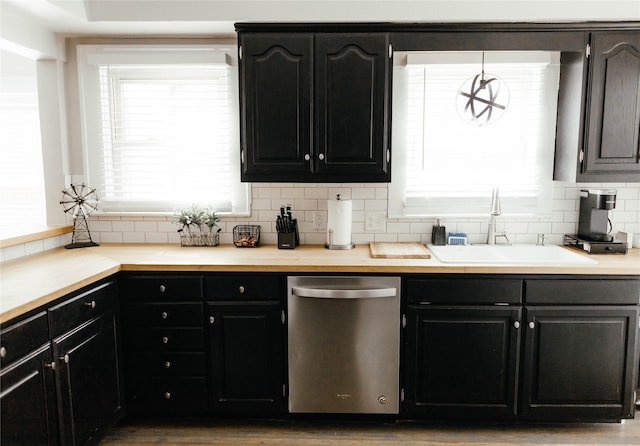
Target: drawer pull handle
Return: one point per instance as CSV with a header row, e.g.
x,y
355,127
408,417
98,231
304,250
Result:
x,y
167,365
241,289
163,288
165,340
167,395
164,315
91,304
3,352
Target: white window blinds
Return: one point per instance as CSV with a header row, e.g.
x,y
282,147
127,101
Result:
x,y
445,166
22,199
161,128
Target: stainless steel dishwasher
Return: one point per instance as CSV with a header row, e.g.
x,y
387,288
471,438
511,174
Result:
x,y
344,342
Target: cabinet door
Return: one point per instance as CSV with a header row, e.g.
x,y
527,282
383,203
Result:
x,y
247,357
28,401
88,380
579,363
613,122
462,361
275,94
353,79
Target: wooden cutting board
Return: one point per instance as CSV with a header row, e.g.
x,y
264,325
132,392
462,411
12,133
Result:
x,y
400,250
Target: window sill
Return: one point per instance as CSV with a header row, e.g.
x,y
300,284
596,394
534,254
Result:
x,y
9,237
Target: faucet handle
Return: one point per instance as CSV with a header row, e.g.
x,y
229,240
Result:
x,y
495,202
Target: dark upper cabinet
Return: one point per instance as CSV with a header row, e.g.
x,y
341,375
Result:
x,y
315,107
598,128
612,145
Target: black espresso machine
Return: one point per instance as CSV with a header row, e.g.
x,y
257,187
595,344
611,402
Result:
x,y
594,225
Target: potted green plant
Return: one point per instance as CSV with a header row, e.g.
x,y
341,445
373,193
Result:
x,y
198,226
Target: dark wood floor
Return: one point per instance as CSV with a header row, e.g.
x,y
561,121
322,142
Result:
x,y
305,433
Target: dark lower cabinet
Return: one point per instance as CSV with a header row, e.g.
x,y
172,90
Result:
x,y
246,359
88,380
579,363
28,401
462,361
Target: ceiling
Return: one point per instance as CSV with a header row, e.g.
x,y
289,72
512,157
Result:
x,y
207,17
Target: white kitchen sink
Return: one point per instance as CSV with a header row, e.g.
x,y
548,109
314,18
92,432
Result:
x,y
509,254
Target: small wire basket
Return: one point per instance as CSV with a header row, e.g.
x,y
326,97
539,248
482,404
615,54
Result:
x,y
246,236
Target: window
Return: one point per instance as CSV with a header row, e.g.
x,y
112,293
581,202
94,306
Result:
x,y
22,200
160,129
444,166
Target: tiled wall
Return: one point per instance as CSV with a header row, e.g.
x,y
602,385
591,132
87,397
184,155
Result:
x,y
307,198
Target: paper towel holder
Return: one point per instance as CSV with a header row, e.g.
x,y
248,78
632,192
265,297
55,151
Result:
x,y
331,245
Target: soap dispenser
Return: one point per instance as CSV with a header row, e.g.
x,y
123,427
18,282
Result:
x,y
438,234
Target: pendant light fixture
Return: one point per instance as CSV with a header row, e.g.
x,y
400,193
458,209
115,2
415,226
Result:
x,y
483,98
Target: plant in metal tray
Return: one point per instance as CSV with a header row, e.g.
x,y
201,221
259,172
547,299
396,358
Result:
x,y
194,223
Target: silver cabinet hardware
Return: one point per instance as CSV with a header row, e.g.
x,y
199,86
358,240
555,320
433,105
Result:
x,y
91,304
240,52
241,289
163,288
3,352
516,324
307,157
321,157
50,365
390,51
532,324
212,319
65,358
165,340
404,321
283,318
164,315
167,395
167,365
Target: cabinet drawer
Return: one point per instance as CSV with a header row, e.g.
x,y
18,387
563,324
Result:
x,y
465,291
20,338
162,288
165,314
79,309
244,287
586,291
170,364
167,339
164,396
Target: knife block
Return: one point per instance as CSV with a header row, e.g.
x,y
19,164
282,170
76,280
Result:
x,y
289,240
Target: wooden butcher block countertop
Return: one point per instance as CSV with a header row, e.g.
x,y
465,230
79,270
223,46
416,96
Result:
x,y
33,281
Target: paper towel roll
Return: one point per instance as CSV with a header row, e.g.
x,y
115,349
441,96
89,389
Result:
x,y
339,220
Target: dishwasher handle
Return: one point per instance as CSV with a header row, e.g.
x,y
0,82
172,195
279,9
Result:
x,y
334,293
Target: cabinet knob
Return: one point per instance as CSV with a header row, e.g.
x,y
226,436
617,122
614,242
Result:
x,y
516,324
50,365
165,340
164,315
307,157
65,358
321,157
91,304
212,319
163,288
3,352
167,365
241,289
532,324
167,395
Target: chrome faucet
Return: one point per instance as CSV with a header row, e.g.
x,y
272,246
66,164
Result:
x,y
495,211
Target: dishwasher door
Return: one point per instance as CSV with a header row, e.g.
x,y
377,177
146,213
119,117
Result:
x,y
344,343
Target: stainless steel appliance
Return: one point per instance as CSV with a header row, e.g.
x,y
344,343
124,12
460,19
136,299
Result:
x,y
344,339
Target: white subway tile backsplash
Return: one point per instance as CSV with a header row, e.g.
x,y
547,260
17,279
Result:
x,y
307,198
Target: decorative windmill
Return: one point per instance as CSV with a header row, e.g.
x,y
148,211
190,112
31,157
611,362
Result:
x,y
80,201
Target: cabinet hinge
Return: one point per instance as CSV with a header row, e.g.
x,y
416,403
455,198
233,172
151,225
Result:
x,y
587,51
284,391
402,395
390,51
581,157
283,318
388,156
404,321
242,156
240,52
